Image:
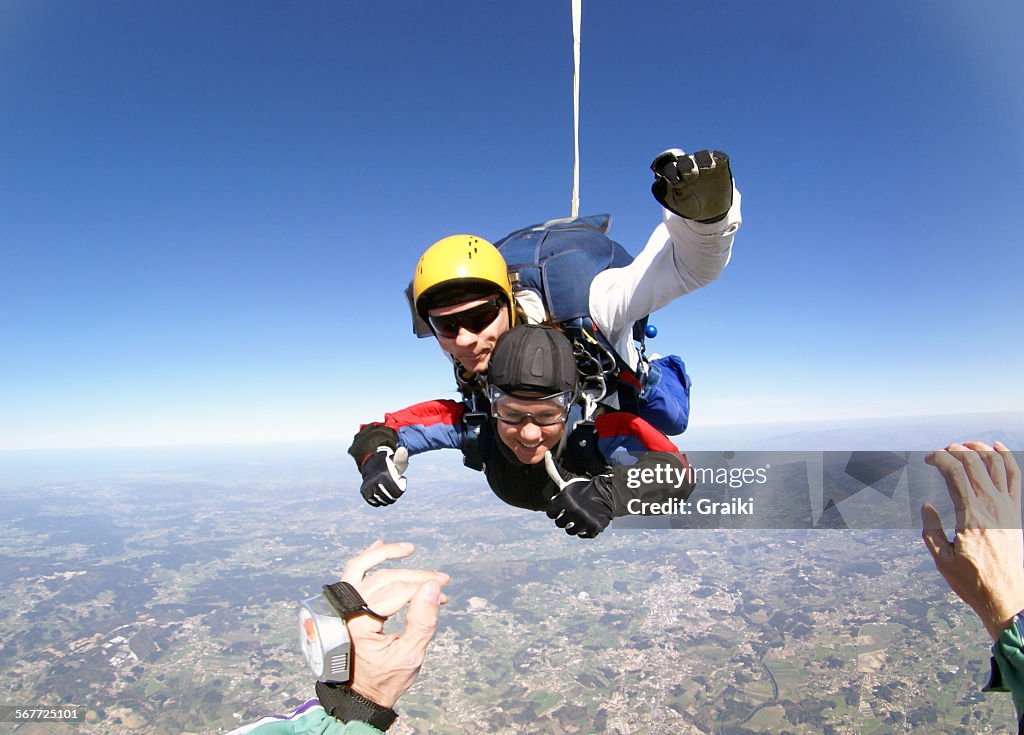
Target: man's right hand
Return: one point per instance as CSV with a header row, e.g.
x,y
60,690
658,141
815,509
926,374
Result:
x,y
384,476
984,564
696,186
582,507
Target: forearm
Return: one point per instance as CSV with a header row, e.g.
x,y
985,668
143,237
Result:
x,y
422,427
702,250
680,256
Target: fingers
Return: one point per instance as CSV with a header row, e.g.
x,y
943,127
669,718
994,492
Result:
x,y
421,621
369,493
552,470
387,495
383,488
666,165
560,505
387,601
977,469
384,577
983,482
573,523
1012,472
704,160
358,566
934,536
560,514
576,526
993,462
957,484
675,165
381,589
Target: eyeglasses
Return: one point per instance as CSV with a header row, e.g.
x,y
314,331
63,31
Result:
x,y
474,320
547,411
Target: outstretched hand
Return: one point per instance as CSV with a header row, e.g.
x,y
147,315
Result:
x,y
696,186
385,665
984,564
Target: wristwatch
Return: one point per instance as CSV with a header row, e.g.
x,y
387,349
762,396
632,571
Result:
x,y
323,635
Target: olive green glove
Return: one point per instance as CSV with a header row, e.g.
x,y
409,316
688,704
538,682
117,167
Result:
x,y
696,186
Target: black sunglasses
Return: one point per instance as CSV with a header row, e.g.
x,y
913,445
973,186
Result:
x,y
474,320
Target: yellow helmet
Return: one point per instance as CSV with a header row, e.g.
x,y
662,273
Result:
x,y
460,268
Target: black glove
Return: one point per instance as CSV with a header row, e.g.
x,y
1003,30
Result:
x,y
383,478
696,186
369,439
583,507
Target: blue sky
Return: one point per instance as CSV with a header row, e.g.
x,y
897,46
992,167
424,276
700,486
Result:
x,y
208,211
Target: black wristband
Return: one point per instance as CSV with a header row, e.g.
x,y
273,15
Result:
x,y
346,705
347,602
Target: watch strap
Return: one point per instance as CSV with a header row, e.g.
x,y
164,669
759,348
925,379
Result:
x,y
347,705
347,602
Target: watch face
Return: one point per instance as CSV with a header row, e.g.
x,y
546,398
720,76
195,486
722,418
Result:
x,y
309,641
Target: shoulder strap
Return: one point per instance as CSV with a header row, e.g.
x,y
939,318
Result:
x,y
474,416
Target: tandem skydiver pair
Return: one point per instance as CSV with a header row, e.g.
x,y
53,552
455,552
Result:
x,y
591,388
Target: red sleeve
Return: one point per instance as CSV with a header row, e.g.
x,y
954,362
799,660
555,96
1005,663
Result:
x,y
428,413
632,432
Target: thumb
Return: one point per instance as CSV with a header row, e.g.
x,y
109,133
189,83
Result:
x,y
401,460
421,620
553,473
934,536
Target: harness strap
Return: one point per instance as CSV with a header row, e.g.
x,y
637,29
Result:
x,y
592,346
473,419
471,456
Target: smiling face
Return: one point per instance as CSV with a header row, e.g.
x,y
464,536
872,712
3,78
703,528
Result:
x,y
472,349
529,427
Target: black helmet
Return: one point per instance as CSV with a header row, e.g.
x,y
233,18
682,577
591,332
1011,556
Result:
x,y
533,359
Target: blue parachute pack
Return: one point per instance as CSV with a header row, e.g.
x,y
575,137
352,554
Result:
x,y
558,260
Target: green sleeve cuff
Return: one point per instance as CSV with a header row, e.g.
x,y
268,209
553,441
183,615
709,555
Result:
x,y
359,728
313,722
1008,665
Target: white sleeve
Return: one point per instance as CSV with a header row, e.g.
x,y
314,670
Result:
x,y
681,256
